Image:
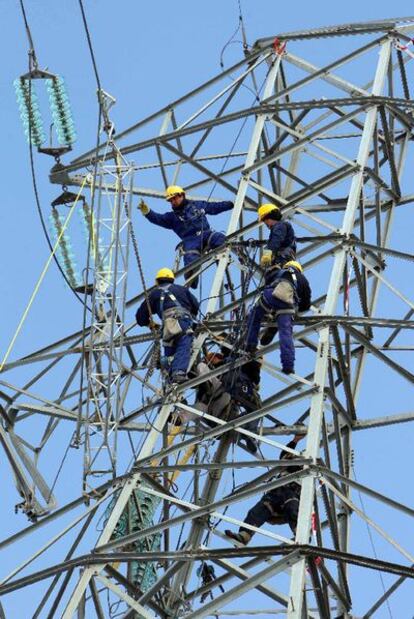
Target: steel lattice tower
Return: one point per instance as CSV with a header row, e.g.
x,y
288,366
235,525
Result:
x,y
274,127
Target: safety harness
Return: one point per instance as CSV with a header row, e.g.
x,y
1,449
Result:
x,y
171,327
195,213
283,290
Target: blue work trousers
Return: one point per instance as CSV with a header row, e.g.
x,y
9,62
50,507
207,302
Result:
x,y
180,348
281,502
284,324
195,245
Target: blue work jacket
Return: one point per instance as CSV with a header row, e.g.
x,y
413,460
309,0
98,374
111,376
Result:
x,y
282,240
190,219
183,298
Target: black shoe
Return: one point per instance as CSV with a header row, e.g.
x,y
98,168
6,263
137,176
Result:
x,y
175,419
250,349
268,335
249,443
179,377
243,537
288,370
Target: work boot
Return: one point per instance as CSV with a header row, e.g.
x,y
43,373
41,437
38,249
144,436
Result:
x,y
243,537
250,349
249,443
268,335
288,370
175,419
179,377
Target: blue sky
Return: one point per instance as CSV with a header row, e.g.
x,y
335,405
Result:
x,y
149,54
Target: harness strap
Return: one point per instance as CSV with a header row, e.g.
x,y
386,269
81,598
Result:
x,y
177,308
192,251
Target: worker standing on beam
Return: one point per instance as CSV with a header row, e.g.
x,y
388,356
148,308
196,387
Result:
x,y
286,291
188,220
281,245
278,506
177,308
232,394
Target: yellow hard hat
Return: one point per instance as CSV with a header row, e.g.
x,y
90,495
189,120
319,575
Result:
x,y
265,209
294,264
165,274
173,190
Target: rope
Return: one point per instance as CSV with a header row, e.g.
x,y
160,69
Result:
x,y
231,39
32,52
372,542
92,54
40,280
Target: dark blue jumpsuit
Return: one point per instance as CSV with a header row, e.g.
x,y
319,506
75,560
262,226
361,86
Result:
x,y
284,312
280,504
242,384
282,242
174,296
190,223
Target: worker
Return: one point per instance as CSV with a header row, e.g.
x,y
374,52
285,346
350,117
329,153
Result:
x,y
177,308
281,245
188,220
286,291
278,506
230,394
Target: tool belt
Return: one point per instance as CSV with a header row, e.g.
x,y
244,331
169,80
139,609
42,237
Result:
x,y
274,313
171,327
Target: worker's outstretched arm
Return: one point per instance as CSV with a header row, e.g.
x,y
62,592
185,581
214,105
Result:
x,y
214,208
159,219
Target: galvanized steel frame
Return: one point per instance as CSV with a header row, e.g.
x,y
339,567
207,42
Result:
x,y
340,339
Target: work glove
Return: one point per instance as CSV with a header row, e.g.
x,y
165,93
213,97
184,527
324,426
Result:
x,y
154,326
266,258
144,208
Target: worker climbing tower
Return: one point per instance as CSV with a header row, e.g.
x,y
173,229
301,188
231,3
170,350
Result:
x,y
142,534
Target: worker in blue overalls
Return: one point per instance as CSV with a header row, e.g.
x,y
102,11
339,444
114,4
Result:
x,y
277,506
281,245
177,308
188,220
286,291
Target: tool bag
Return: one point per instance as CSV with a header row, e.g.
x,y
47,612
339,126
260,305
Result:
x,y
171,327
284,291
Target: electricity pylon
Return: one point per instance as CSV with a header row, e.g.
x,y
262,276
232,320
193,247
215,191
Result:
x,y
330,143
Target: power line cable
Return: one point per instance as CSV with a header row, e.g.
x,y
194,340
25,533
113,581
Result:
x,y
88,36
32,52
371,539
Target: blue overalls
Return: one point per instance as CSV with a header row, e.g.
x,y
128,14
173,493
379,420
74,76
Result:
x,y
190,223
178,347
175,301
282,242
280,505
284,314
